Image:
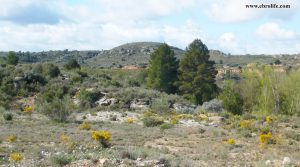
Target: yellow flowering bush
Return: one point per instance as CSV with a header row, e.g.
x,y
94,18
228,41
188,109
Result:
x,y
11,138
28,109
176,118
102,136
203,117
269,119
65,138
246,124
85,126
130,120
230,141
16,157
268,138
148,114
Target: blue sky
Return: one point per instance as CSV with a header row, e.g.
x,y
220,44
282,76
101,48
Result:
x,y
226,25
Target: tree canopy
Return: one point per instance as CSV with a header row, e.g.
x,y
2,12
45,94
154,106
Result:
x,y
12,58
197,74
162,72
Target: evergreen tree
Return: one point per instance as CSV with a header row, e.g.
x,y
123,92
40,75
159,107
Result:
x,y
12,58
72,64
197,74
162,73
232,101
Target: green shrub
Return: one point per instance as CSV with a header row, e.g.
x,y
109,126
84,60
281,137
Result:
x,y
2,110
88,98
57,109
76,78
161,105
61,160
53,91
72,64
51,70
152,121
12,58
134,83
293,135
232,101
165,126
8,116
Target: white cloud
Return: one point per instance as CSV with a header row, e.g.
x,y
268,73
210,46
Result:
x,y
103,24
85,37
231,11
272,31
107,11
183,35
228,42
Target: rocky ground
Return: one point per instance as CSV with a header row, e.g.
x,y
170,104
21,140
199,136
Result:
x,y
193,140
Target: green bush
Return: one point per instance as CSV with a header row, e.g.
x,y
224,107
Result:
x,y
231,100
12,58
88,98
57,109
47,70
8,116
152,121
165,126
72,64
161,105
53,91
55,102
61,160
51,70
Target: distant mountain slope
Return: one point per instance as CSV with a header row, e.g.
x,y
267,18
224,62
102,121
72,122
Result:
x,y
138,54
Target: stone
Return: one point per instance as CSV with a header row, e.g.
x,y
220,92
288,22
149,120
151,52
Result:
x,y
106,102
140,104
216,119
286,161
268,162
214,105
184,108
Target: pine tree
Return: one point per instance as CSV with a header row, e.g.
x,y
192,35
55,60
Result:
x,y
197,74
162,73
12,58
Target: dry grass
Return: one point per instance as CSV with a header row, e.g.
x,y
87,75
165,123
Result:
x,y
40,139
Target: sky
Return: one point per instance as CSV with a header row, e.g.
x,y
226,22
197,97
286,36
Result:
x,y
225,25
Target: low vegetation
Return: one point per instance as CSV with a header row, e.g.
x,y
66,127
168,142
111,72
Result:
x,y
173,113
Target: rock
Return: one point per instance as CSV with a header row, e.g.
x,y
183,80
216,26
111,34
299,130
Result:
x,y
268,162
16,79
90,89
106,102
286,161
211,106
184,108
140,104
76,101
216,120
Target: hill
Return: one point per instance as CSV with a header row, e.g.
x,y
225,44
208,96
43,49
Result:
x,y
138,54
